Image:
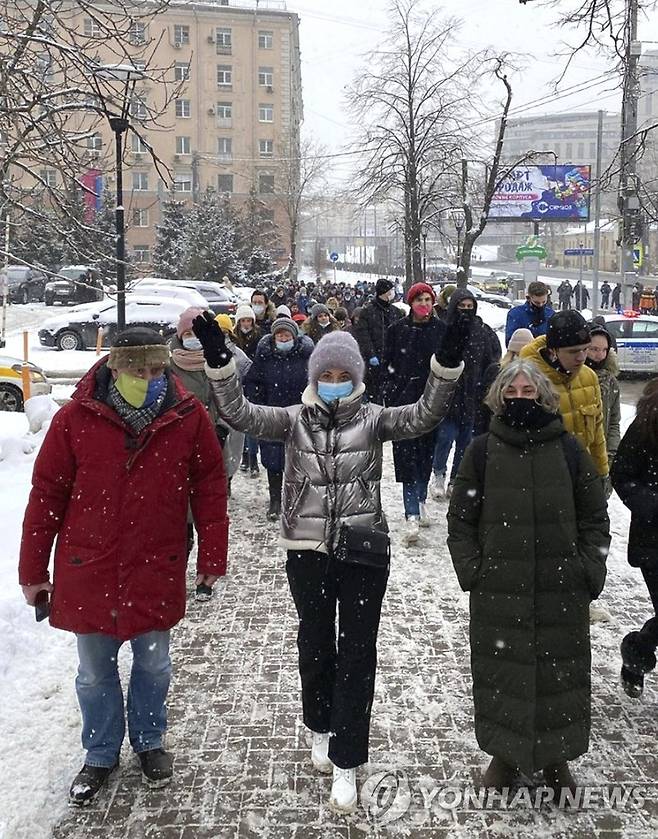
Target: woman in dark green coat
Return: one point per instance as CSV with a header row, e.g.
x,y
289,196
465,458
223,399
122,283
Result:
x,y
528,536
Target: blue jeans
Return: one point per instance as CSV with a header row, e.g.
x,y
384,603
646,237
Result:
x,y
251,445
447,433
413,495
101,698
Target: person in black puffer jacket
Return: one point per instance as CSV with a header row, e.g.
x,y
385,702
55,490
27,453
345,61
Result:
x,y
371,334
634,476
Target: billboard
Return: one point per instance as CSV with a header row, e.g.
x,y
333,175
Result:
x,y
543,193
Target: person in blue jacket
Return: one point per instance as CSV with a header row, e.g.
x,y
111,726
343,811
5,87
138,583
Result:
x,y
533,315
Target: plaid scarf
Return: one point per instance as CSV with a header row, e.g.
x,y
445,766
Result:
x,y
137,418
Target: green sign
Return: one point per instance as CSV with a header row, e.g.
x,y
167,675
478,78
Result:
x,y
538,251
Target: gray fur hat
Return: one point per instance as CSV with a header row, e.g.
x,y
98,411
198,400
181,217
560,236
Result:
x,y
337,350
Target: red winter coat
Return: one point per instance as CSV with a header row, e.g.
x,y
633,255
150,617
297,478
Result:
x,y
118,505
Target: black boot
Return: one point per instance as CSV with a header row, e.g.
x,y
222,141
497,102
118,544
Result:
x,y
274,479
253,466
228,487
87,784
244,466
639,657
499,775
157,767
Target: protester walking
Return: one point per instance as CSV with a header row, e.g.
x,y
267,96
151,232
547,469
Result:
x,y
371,333
528,534
520,339
333,527
111,485
605,294
264,310
533,315
319,323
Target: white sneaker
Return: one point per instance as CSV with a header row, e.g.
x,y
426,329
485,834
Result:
x,y
438,488
411,531
425,520
343,790
598,614
320,752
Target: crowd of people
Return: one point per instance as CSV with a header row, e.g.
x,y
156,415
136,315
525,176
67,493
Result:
x,y
310,383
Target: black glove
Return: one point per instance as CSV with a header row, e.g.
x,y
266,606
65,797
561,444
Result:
x,y
454,340
207,330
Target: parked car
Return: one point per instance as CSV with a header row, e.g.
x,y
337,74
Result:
x,y
217,297
77,328
637,341
11,383
178,292
74,284
24,284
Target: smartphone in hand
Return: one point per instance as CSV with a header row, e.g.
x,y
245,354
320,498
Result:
x,y
41,605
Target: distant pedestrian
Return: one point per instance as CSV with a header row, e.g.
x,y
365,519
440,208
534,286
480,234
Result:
x,y
564,294
371,333
319,323
605,294
616,297
580,296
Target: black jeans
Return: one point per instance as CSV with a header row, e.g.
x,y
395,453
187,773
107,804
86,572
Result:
x,y
650,628
338,682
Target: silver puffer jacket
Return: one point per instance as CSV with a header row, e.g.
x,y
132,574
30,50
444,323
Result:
x,y
333,457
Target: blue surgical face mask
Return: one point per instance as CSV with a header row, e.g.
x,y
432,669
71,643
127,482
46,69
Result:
x,y
285,346
331,391
191,343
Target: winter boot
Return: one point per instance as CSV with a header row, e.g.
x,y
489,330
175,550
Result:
x,y
253,466
411,531
425,520
639,657
87,783
275,480
320,752
343,790
438,488
244,466
228,487
499,775
203,593
157,767
632,683
559,778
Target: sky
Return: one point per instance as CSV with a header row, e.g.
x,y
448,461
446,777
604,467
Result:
x,y
336,35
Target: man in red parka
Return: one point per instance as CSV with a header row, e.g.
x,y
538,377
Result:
x,y
111,484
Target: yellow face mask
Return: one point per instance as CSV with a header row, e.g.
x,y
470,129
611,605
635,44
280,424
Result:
x,y
137,392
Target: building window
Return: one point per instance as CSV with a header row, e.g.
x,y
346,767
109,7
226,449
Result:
x,y
265,184
225,148
266,113
140,217
137,34
137,145
592,151
140,182
225,183
224,75
183,145
49,177
266,148
224,114
581,151
181,71
95,142
92,28
182,183
223,41
138,108
568,152
265,76
557,149
265,40
181,34
141,254
183,108
267,215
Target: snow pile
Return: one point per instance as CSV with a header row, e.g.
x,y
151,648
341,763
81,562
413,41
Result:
x,y
39,411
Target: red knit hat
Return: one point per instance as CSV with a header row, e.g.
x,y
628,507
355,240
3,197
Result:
x,y
420,288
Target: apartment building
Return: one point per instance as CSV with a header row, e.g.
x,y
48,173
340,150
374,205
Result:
x,y
233,124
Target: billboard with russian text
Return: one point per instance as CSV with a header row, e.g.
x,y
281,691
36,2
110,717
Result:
x,y
543,193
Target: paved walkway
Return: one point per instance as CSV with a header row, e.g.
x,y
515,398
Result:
x,y
242,758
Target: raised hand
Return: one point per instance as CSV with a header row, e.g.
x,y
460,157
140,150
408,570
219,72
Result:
x,y
207,330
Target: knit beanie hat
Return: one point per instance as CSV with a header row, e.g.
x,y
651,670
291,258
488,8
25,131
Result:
x,y
283,311
185,320
520,338
244,311
337,350
225,322
420,288
382,286
138,346
319,309
567,329
340,314
288,324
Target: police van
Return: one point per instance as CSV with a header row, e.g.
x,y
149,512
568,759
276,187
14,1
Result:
x,y
637,341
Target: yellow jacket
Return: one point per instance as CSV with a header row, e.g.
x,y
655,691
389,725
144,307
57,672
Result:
x,y
580,402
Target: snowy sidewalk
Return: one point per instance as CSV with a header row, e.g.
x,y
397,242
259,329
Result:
x,y
242,760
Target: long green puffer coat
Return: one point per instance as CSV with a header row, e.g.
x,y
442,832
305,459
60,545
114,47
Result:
x,y
532,553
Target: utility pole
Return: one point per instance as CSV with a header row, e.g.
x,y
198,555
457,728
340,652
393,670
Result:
x,y
597,215
628,201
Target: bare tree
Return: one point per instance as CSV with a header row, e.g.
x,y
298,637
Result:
x,y
55,100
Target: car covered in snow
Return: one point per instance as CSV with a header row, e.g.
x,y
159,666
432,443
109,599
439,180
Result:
x,y
77,328
637,341
23,284
74,284
185,294
11,383
216,296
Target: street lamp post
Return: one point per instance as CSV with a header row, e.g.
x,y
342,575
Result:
x,y
459,220
424,234
127,75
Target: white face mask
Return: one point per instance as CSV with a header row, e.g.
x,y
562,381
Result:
x,y
258,308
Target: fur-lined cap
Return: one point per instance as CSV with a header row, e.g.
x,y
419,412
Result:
x,y
138,347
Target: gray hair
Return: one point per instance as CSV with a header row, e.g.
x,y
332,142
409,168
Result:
x,y
546,396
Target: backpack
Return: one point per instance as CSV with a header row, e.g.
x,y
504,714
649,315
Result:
x,y
570,446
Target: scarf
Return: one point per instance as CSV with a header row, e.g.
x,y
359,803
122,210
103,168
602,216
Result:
x,y
137,418
190,360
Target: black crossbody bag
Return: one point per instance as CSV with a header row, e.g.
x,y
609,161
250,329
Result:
x,y
363,545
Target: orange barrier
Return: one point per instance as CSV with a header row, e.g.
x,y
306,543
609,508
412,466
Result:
x,y
25,370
